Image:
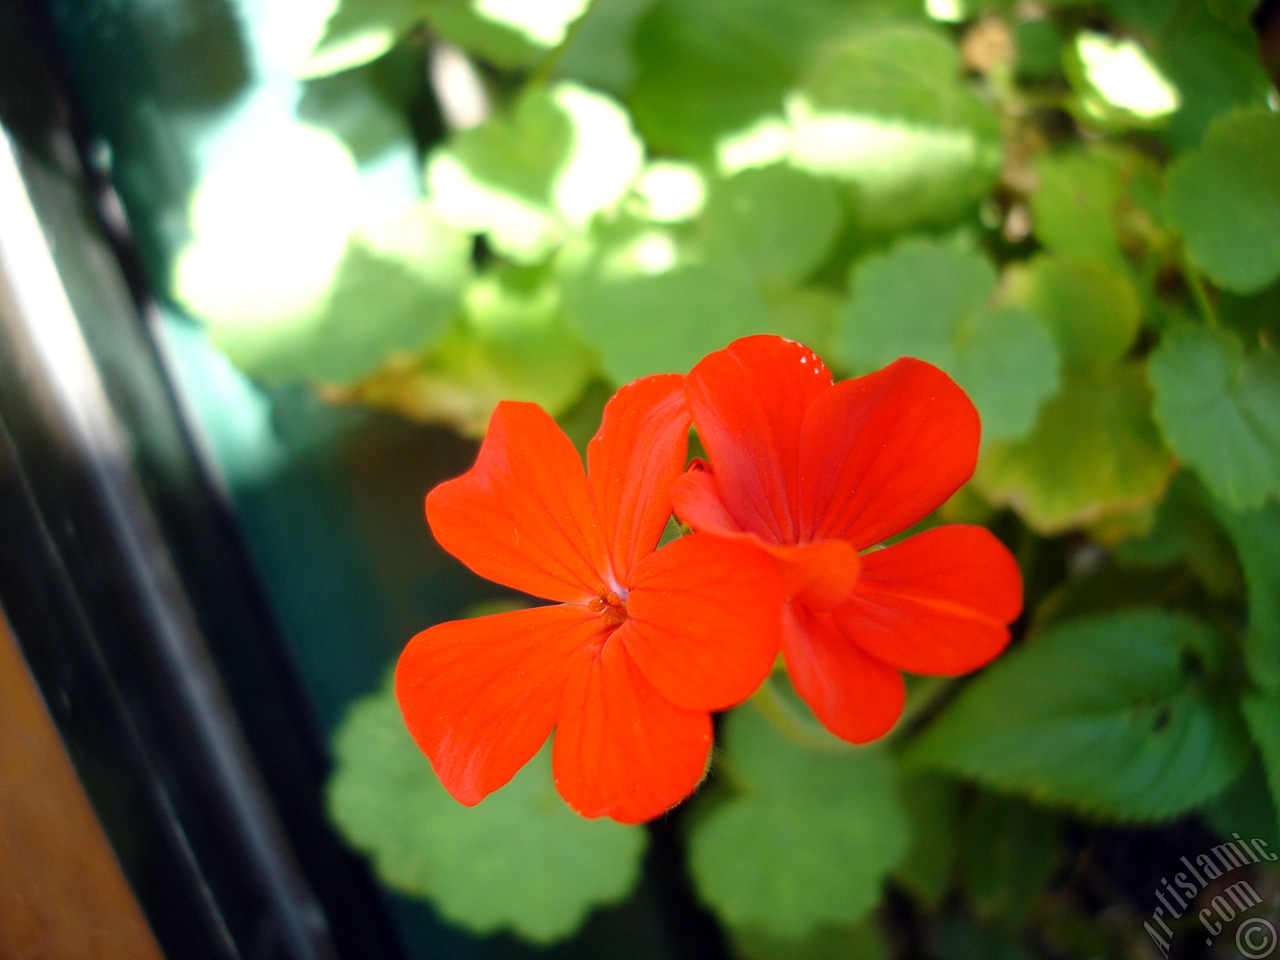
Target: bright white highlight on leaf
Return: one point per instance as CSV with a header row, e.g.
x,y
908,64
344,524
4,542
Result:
x,y
542,21
766,141
947,11
671,192
606,158
463,99
1121,73
270,225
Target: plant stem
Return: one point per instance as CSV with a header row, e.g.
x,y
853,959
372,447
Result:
x,y
1198,291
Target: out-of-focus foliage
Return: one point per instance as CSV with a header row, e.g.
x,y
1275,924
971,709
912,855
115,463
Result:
x,y
1071,206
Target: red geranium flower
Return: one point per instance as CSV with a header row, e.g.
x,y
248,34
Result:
x,y
642,644
816,473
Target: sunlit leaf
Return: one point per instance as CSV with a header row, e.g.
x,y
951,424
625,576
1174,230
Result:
x,y
1109,715
1118,83
1094,451
887,113
1225,200
359,31
527,178
1092,310
807,840
520,861
511,343
1219,409
933,301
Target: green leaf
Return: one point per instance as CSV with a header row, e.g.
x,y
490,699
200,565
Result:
x,y
1262,713
1094,451
1256,537
1101,714
599,51
862,941
932,805
511,344
1225,200
1074,205
807,840
508,33
708,68
1247,808
887,113
931,300
1219,410
1214,66
527,179
520,861
1092,310
359,31
778,222
1118,85
1184,530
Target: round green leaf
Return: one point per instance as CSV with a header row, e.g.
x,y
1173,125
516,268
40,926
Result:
x,y
807,841
1225,200
1073,207
521,860
1092,310
1262,712
1094,451
1102,714
1220,412
527,179
1256,537
930,300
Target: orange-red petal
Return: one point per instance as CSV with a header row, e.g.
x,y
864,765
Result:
x,y
481,696
622,750
632,461
523,516
704,621
855,696
748,402
881,452
936,603
821,575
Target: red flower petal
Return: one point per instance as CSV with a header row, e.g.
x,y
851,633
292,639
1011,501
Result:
x,y
632,461
697,501
748,402
621,750
821,575
936,603
879,453
522,516
856,697
480,696
704,621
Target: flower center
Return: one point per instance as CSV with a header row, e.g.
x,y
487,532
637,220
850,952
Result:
x,y
611,607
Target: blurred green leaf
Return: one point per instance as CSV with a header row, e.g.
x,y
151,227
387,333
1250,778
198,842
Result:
x,y
510,344
1247,807
1262,713
599,51
1214,65
709,68
1256,537
862,941
932,804
932,301
1092,310
521,860
778,222
1225,200
807,841
1101,714
888,114
359,31
1074,205
528,178
1219,410
394,294
1117,83
1008,852
1094,451
1184,530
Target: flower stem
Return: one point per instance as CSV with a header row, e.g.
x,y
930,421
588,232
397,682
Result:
x,y
773,705
1199,292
